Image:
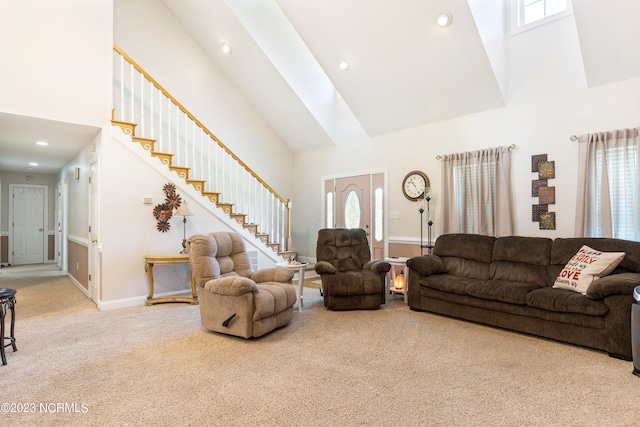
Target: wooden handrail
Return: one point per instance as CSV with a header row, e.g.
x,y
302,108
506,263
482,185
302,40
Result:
x,y
197,122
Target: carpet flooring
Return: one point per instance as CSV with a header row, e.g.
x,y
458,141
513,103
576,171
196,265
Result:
x,y
156,365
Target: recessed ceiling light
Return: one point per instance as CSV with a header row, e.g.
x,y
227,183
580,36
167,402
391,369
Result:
x,y
226,48
344,65
33,164
444,19
43,143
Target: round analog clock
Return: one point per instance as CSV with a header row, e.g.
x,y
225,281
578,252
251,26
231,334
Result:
x,y
414,185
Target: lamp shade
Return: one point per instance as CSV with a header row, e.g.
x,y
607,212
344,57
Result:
x,y
183,209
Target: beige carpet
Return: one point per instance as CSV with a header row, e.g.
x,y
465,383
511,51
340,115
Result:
x,y
155,365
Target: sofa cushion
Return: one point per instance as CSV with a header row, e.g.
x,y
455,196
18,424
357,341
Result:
x,y
447,283
273,298
586,266
345,249
352,283
463,267
527,250
521,259
465,255
501,290
562,300
469,246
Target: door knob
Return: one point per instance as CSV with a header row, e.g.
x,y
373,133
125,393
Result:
x,y
39,229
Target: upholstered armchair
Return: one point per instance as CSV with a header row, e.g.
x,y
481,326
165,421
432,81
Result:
x,y
233,298
350,279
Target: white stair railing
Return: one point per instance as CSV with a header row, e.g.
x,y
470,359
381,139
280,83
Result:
x,y
139,99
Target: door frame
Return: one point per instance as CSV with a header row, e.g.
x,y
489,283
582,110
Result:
x,y
385,219
62,225
45,220
95,245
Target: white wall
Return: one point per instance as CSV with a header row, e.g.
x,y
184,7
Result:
x,y
60,51
149,34
548,102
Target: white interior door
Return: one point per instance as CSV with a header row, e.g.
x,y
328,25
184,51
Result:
x,y
28,218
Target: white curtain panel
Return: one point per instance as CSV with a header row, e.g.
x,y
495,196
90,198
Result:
x,y
476,189
608,185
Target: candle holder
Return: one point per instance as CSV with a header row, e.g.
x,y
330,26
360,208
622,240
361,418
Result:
x,y
425,200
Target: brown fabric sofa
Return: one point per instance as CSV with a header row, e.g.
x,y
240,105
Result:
x,y
351,280
233,298
507,282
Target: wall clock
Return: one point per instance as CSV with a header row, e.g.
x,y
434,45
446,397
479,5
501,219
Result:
x,y
414,185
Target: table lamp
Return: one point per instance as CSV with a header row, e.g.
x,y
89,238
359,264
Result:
x,y
184,212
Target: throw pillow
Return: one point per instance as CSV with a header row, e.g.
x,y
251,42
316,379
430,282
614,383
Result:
x,y
585,267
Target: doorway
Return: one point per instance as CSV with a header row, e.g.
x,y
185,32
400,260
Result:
x,y
358,201
27,218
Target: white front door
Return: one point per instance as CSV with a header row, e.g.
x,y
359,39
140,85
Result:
x,y
358,202
28,233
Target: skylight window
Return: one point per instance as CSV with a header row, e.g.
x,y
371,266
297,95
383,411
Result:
x,y
533,13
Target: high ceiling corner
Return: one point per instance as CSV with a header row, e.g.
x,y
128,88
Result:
x,y
608,32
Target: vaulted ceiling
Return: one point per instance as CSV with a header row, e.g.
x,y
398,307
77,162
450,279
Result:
x,y
404,71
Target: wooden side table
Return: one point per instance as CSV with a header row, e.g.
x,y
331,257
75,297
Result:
x,y
150,261
301,269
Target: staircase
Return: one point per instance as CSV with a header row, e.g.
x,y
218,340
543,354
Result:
x,y
190,150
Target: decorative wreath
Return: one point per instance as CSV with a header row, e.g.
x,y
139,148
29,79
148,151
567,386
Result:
x,y
164,211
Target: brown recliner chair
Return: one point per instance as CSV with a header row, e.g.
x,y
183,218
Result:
x,y
350,279
233,298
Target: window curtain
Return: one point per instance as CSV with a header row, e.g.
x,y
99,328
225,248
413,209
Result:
x,y
608,185
476,192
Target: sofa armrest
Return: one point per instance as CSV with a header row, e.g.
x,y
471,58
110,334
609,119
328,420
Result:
x,y
324,267
377,266
231,285
427,265
274,274
614,284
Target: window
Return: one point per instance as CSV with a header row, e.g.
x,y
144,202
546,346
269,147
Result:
x,y
476,192
377,215
467,179
533,13
352,210
329,215
618,166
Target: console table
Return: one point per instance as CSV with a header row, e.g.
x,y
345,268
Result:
x,y
150,261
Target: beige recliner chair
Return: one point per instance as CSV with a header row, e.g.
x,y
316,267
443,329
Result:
x,y
234,299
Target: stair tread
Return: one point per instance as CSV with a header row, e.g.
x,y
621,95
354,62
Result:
x,y
264,237
123,122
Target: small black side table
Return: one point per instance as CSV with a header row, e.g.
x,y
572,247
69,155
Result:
x,y
7,302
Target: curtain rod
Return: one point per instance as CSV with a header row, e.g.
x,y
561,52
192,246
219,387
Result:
x,y
573,138
511,147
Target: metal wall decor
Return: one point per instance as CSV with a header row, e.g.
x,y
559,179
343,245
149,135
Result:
x,y
545,193
164,211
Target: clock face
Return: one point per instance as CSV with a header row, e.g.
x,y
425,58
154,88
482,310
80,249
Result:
x,y
414,185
